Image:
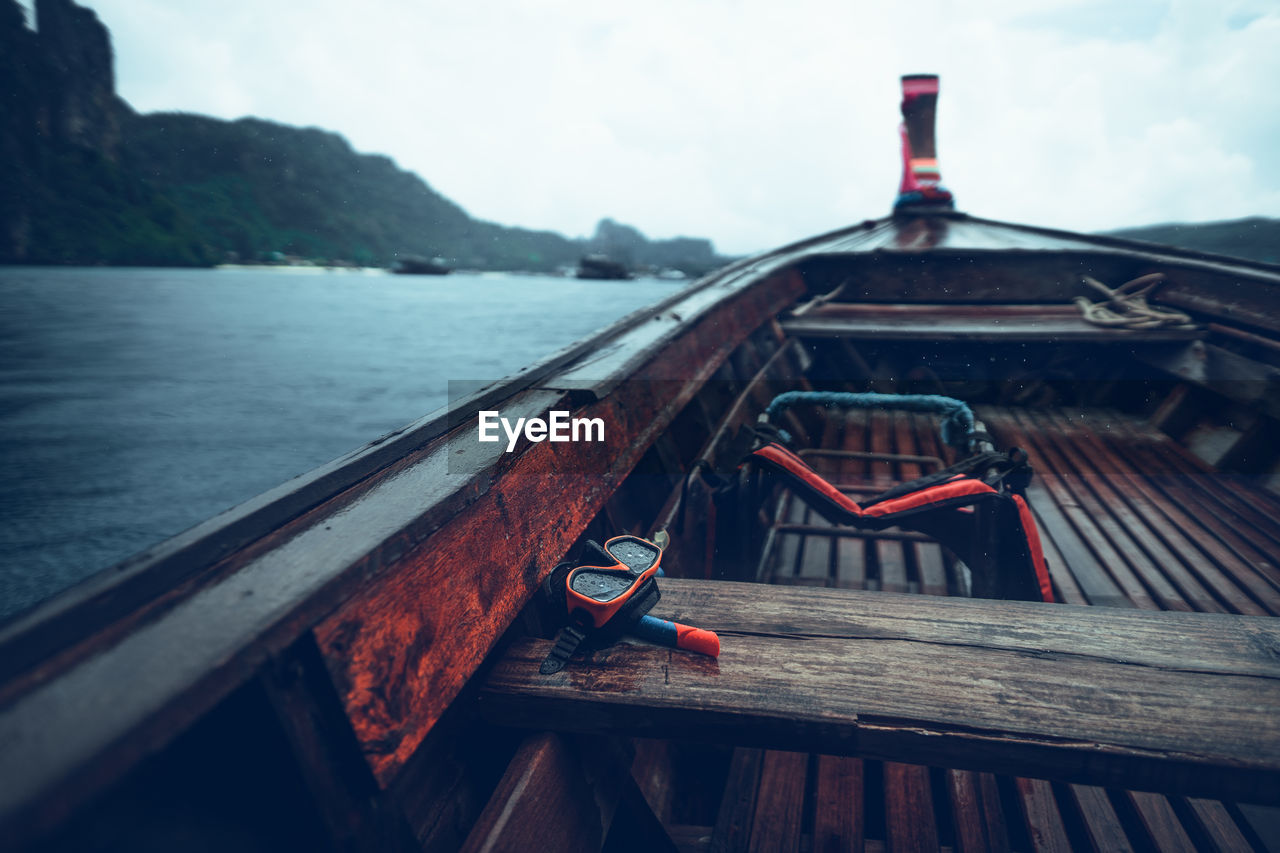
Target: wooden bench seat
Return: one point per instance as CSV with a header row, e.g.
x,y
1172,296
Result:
x,y
977,323
1178,702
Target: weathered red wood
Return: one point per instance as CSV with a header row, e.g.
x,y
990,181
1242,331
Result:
x,y
978,817
402,649
357,815
779,808
838,821
1043,820
909,818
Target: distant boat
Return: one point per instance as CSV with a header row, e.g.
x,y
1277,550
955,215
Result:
x,y
416,265
601,267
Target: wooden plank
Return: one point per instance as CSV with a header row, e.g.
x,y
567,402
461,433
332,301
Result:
x,y
914,435
851,552
909,818
1065,588
1243,380
1263,823
1171,701
838,821
942,310
738,803
1082,532
1044,823
1176,527
815,564
1132,567
652,769
890,555
1120,497
1217,825
788,546
1051,328
451,777
1258,508
332,766
1229,531
910,823
1161,822
779,807
554,796
971,814
1101,823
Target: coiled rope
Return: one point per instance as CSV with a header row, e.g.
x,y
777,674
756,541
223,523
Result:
x,y
1126,307
957,424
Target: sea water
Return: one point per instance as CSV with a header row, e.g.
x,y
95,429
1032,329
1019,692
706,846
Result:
x,y
135,403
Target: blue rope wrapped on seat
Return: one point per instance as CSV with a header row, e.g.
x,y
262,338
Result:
x,y
957,424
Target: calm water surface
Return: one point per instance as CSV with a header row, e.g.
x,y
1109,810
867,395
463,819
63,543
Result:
x,y
135,403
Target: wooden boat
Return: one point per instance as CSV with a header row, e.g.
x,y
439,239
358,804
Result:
x,y
601,268
417,265
350,661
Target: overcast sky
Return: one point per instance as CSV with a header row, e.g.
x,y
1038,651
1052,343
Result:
x,y
751,123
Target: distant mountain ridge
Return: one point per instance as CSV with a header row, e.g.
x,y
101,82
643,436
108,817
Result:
x,y
90,181
1255,237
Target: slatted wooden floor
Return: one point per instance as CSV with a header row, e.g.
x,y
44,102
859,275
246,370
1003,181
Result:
x,y
1128,519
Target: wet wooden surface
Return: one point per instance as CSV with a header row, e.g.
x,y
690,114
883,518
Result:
x,y
401,649
949,324
1157,701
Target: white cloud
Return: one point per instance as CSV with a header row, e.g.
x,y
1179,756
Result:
x,y
747,121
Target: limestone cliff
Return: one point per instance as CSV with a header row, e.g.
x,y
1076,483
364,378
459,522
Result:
x,y
89,181
80,87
